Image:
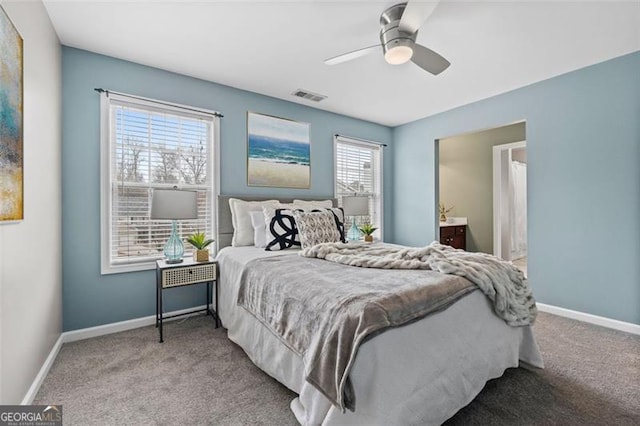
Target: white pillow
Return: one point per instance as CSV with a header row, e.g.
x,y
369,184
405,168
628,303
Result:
x,y
259,229
315,204
242,228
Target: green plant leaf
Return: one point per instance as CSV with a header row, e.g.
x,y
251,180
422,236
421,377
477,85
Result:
x,y
367,229
199,240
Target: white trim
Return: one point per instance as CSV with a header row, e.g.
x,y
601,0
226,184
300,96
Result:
x,y
131,267
351,138
116,327
512,145
381,191
107,123
497,194
87,333
102,330
627,327
497,201
335,166
105,185
216,175
153,103
44,370
377,147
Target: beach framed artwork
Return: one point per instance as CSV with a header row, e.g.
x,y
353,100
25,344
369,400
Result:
x,y
278,152
11,95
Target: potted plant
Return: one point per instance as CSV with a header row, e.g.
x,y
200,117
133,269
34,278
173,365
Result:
x,y
367,229
199,241
443,212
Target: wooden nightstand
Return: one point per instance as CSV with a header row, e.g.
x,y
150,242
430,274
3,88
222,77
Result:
x,y
186,273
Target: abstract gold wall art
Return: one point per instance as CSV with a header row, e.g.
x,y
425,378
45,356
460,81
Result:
x,y
11,147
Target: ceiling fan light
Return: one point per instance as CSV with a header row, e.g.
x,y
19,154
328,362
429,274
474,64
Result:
x,y
398,55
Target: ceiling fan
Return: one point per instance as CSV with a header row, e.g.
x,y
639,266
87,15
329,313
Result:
x,y
399,28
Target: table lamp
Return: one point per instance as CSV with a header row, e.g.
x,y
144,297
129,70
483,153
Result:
x,y
355,206
174,205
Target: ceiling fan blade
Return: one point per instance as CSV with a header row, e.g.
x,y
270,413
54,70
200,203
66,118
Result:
x,y
415,13
351,55
429,60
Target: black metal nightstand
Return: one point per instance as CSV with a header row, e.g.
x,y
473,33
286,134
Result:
x,y
188,272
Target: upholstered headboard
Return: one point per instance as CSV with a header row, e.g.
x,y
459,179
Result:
x,y
225,226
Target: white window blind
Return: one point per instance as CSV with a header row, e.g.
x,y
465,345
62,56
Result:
x,y
358,168
151,145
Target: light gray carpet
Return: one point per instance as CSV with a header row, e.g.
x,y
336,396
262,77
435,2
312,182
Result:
x,y
197,376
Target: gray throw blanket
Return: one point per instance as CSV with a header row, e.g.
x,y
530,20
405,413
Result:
x,y
323,311
503,283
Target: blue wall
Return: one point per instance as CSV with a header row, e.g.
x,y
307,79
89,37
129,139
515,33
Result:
x,y
583,154
91,299
583,133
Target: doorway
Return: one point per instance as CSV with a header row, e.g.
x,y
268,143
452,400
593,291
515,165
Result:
x,y
510,203
465,184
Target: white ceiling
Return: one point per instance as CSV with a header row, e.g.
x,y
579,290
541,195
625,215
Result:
x,y
276,47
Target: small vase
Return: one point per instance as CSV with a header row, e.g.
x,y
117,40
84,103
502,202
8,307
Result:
x,y
443,217
201,255
368,238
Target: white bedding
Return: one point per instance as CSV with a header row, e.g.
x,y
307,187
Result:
x,y
421,373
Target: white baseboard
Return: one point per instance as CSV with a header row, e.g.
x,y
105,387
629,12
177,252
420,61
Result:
x,y
101,330
591,319
44,370
86,333
116,327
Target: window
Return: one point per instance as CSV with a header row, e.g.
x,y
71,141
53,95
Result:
x,y
358,168
146,145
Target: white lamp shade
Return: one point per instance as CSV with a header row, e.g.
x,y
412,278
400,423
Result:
x,y
174,204
355,206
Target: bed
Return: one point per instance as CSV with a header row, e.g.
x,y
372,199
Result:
x,y
420,373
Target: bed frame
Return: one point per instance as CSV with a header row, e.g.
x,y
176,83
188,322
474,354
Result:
x,y
225,225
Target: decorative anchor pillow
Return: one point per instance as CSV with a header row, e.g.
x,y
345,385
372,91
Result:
x,y
282,231
316,228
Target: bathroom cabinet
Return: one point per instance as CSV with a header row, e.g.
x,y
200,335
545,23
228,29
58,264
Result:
x,y
454,236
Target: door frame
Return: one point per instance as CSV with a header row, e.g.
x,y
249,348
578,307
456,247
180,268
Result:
x,y
502,158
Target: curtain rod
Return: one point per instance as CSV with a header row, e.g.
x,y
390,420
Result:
x,y
216,113
360,139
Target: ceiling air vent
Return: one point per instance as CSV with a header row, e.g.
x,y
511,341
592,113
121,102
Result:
x,y
305,94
